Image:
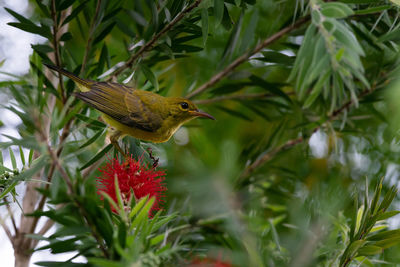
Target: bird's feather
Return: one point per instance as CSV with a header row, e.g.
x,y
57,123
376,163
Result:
x,y
122,105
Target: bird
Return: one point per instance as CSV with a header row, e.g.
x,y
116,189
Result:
x,y
129,111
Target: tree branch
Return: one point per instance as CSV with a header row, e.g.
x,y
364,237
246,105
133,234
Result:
x,y
216,78
47,225
11,215
149,44
293,142
269,155
64,135
7,230
68,180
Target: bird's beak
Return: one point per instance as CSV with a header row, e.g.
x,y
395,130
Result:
x,y
199,113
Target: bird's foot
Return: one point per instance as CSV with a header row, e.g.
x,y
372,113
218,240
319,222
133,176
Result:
x,y
114,141
154,159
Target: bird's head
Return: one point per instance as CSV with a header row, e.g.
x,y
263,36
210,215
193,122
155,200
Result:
x,y
182,110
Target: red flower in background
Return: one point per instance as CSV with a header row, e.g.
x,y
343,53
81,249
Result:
x,y
207,262
131,174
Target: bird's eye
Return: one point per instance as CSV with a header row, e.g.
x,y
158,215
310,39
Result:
x,y
184,105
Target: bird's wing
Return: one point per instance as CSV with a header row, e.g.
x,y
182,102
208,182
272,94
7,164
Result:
x,y
119,102
142,110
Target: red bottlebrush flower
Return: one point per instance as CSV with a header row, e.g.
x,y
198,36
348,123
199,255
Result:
x,y
207,262
132,174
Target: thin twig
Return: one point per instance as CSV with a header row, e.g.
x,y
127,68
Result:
x,y
47,225
269,155
11,215
7,230
90,37
236,97
86,173
44,139
63,137
67,179
149,44
243,58
58,165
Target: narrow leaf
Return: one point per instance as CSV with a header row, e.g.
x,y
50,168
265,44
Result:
x,y
97,157
150,76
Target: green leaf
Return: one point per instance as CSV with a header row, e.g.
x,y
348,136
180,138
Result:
x,y
75,12
276,57
387,200
104,33
157,239
234,113
97,157
377,194
387,215
226,19
360,214
137,207
104,262
8,189
317,88
369,250
61,246
12,158
249,32
141,219
385,235
32,28
90,121
204,24
389,242
233,39
372,9
92,139
37,165
336,10
150,76
230,88
22,156
182,48
19,17
66,37
390,36
43,8
61,5
64,231
120,202
125,28
218,11
270,87
353,248
60,264
30,157
42,48
358,1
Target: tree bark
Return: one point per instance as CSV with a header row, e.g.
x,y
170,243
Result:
x,y
23,246
22,258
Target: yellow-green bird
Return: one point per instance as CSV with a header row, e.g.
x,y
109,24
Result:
x,y
141,114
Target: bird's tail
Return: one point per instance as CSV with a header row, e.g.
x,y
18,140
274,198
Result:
x,y
83,84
